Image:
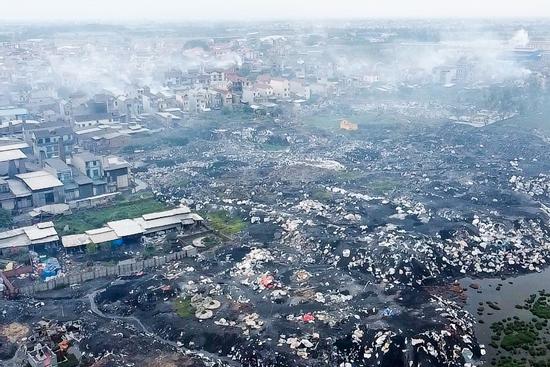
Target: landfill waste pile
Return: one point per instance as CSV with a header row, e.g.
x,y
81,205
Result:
x,y
267,194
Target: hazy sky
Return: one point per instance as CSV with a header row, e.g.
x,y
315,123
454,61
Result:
x,y
137,10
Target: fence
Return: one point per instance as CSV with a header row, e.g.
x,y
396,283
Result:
x,y
103,271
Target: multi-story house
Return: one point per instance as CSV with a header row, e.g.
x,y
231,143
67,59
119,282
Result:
x,y
117,172
281,87
89,164
57,142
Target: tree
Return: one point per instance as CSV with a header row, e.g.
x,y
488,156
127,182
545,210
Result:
x,y
5,218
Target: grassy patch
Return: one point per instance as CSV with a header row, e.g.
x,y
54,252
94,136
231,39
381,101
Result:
x,y
87,219
519,338
540,307
524,342
509,362
211,241
184,308
349,175
322,195
148,252
514,334
382,186
223,222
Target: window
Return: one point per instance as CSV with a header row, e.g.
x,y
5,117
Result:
x,y
49,198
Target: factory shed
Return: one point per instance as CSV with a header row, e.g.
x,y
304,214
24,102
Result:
x,y
40,234
126,228
75,241
102,235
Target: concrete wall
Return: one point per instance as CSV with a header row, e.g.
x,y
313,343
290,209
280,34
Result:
x,y
101,272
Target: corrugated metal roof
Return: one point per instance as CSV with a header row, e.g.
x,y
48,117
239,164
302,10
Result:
x,y
197,217
11,233
39,180
13,145
159,223
167,213
18,188
10,155
34,233
14,239
88,131
31,235
75,240
102,235
45,240
43,225
125,227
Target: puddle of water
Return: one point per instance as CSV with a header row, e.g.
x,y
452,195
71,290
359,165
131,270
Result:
x,y
507,298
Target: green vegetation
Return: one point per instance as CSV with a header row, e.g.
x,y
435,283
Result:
x,y
322,195
524,343
175,138
148,252
5,218
508,362
382,186
210,241
91,248
87,219
226,224
349,175
514,334
519,338
540,306
184,308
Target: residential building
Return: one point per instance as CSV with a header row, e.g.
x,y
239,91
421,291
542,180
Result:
x,y
84,121
108,142
45,187
216,77
300,89
8,114
12,158
7,198
59,169
116,172
281,87
89,164
56,142
258,93
22,195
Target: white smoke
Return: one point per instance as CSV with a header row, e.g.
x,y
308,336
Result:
x,y
520,39
486,54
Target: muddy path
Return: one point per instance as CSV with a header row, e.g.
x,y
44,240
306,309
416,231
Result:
x,y
210,357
